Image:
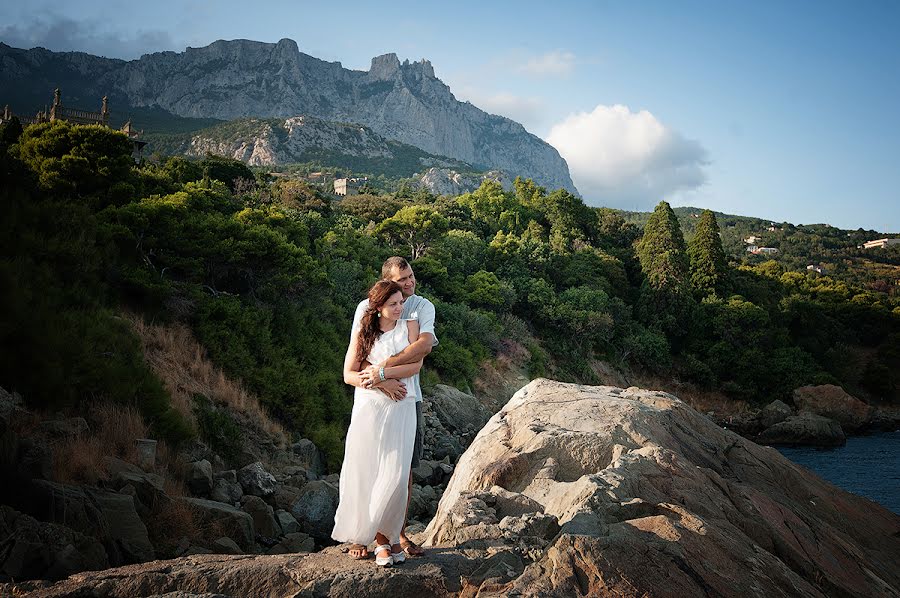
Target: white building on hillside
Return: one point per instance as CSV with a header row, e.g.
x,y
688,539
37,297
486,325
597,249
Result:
x,y
880,243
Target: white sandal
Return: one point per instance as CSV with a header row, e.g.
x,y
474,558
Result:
x,y
384,561
399,557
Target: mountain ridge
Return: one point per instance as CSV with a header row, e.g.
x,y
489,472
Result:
x,y
402,101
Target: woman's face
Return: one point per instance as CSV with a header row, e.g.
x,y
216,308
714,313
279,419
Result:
x,y
393,307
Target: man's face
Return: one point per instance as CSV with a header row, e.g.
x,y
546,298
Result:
x,y
406,279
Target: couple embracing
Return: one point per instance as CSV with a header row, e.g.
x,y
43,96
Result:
x,y
393,331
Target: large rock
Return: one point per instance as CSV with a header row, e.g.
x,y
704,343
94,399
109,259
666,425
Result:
x,y
309,456
451,420
805,429
200,477
329,573
219,518
654,499
264,522
774,413
108,516
255,480
38,550
833,402
315,509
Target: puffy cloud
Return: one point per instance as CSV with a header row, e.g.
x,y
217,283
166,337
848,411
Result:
x,y
625,159
558,63
62,34
529,111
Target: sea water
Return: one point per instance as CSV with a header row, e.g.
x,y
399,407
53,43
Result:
x,y
867,465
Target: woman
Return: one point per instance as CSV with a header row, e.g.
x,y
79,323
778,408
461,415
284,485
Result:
x,y
382,431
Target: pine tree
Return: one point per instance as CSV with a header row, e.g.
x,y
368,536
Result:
x,y
708,264
665,294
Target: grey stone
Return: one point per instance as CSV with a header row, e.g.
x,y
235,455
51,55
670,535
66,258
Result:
x,y
226,546
255,480
315,509
774,413
264,522
226,491
287,522
234,523
804,429
292,543
200,479
309,456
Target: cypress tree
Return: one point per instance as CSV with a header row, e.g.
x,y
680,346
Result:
x,y
708,264
665,301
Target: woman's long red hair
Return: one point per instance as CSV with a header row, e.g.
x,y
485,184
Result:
x,y
369,329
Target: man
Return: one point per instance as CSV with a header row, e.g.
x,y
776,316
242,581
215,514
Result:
x,y
415,307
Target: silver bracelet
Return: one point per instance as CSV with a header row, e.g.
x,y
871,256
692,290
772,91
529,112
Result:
x,y
381,373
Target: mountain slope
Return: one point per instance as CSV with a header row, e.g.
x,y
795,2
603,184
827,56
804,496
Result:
x,y
241,78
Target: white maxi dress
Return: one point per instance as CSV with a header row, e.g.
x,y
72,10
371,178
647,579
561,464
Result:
x,y
377,455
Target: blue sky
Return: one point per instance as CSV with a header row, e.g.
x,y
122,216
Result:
x,y
785,110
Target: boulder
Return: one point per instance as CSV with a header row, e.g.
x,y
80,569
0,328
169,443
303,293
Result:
x,y
286,522
200,477
774,413
110,517
214,516
805,429
315,509
308,456
292,543
34,549
255,480
226,546
226,491
285,497
451,419
652,498
264,522
833,402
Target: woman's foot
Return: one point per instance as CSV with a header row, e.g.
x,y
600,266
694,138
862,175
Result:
x,y
383,557
410,547
359,551
397,554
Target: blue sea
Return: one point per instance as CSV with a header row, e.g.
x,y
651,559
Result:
x,y
866,465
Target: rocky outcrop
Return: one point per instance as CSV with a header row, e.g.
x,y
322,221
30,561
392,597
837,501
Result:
x,y
654,499
804,429
234,79
269,142
831,401
573,490
445,181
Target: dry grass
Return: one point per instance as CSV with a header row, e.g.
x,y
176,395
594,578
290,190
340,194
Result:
x,y
114,428
705,401
183,366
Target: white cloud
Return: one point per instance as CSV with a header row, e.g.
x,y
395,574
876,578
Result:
x,y
558,63
529,111
625,159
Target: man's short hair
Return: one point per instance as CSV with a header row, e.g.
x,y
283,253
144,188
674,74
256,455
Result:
x,y
389,264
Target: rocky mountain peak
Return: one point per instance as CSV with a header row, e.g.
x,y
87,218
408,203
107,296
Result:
x,y
384,67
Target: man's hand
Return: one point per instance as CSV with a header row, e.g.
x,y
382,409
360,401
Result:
x,y
394,389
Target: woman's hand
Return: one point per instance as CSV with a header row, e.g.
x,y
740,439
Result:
x,y
370,376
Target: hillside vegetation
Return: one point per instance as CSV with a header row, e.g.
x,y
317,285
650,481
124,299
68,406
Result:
x,y
266,274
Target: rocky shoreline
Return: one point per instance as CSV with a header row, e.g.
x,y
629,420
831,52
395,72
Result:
x,y
574,490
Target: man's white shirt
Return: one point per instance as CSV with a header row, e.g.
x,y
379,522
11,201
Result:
x,y
416,308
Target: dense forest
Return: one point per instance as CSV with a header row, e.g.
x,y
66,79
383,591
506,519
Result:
x,y
266,272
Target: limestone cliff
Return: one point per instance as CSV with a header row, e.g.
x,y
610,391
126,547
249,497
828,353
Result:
x,y
240,78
